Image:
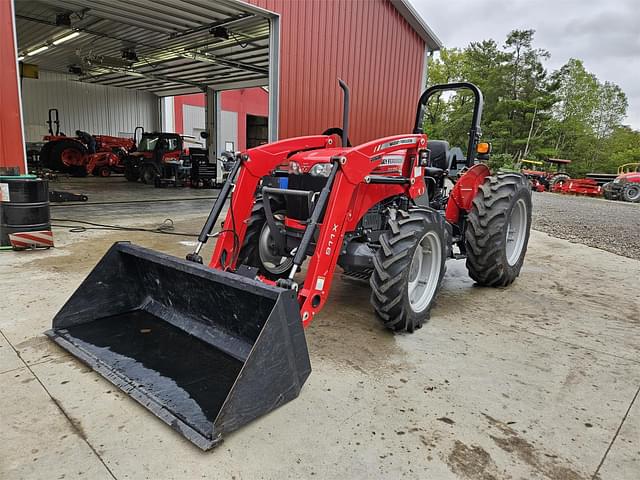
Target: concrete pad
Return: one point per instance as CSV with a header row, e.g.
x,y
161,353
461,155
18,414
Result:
x,y
117,189
623,461
36,440
568,292
465,393
8,359
521,383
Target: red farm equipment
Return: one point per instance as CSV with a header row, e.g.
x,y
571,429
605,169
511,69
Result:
x,y
578,186
210,348
83,154
626,185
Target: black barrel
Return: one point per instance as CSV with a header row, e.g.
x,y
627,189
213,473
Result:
x,y
24,206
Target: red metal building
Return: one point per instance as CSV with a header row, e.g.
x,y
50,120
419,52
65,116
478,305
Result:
x,y
12,154
379,47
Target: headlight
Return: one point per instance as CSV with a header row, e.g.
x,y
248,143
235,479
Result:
x,y
617,180
321,169
294,167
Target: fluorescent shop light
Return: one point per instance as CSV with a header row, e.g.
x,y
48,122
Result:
x,y
66,38
37,50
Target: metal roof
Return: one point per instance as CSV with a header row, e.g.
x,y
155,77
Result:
x,y
176,47
414,19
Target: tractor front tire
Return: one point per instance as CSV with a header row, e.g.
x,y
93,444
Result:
x,y
149,174
255,251
631,192
131,173
408,268
497,230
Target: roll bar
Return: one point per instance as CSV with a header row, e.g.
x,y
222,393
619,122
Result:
x,y
474,132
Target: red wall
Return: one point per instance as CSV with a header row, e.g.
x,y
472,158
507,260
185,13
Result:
x,y
368,44
11,146
252,101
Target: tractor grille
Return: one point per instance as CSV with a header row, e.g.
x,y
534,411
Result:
x,y
297,207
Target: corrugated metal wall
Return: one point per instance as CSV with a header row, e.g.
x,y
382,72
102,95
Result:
x,y
97,109
193,117
365,42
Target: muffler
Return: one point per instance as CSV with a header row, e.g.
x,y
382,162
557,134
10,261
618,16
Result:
x,y
206,351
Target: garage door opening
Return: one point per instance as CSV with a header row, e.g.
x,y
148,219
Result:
x,y
108,69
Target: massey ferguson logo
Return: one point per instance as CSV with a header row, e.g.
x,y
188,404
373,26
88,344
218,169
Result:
x,y
332,239
394,143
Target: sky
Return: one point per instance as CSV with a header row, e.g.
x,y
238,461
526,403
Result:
x,y
605,34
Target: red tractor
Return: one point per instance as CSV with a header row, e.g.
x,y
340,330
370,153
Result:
x,y
156,153
626,186
552,175
209,348
85,153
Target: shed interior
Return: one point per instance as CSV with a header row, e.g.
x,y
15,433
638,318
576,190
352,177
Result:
x,y
88,51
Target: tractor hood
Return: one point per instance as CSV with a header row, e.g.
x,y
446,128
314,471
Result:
x,y
308,159
633,177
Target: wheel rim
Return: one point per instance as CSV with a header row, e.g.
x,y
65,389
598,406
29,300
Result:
x,y
271,261
71,157
633,193
424,272
516,232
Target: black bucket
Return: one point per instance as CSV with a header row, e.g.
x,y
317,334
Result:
x,y
25,207
205,350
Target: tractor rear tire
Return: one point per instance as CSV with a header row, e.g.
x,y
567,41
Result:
x,y
402,294
631,192
559,178
254,251
497,230
55,157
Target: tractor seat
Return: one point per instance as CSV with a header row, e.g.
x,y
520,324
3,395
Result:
x,y
440,157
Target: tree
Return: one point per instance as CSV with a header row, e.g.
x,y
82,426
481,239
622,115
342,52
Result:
x,y
529,113
586,113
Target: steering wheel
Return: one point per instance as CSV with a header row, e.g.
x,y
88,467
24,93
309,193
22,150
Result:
x,y
336,131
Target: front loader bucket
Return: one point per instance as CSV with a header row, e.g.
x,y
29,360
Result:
x,y
205,350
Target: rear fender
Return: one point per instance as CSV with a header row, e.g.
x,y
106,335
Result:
x,y
464,191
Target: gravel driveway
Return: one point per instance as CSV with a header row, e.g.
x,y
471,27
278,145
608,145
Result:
x,y
604,224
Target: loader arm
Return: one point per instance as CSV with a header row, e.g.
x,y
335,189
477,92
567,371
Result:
x,y
255,164
342,209
348,203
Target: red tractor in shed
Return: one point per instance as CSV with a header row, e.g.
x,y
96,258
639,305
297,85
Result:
x,y
209,348
83,154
